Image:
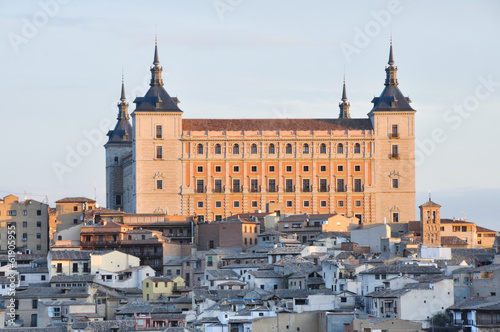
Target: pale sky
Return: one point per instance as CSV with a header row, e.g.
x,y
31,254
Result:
x,y
62,62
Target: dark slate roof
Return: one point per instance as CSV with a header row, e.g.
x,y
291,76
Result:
x,y
69,255
403,269
51,292
146,307
265,274
105,326
122,132
390,94
452,240
155,94
275,124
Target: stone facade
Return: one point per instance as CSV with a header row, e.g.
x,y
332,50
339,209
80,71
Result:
x,y
215,168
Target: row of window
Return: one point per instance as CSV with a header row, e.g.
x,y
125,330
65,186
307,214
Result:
x,y
272,149
272,168
289,204
25,248
25,212
273,187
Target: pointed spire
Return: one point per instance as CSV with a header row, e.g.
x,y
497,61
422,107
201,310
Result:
x,y
344,105
156,69
344,94
123,105
122,98
156,60
391,56
391,71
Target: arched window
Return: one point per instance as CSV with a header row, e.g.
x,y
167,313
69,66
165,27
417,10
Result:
x,y
288,148
322,148
116,160
357,148
253,149
271,149
218,150
305,148
340,148
236,149
199,149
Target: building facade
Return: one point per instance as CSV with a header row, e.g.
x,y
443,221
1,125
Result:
x,y
27,222
215,168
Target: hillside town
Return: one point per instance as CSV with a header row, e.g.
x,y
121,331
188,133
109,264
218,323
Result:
x,y
81,267
250,225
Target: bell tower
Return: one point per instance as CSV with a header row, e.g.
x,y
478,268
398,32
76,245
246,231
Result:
x,y
430,221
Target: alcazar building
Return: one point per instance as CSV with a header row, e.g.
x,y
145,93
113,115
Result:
x,y
214,168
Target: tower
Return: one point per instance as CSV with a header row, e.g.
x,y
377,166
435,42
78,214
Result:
x,y
119,145
156,157
430,220
344,105
393,124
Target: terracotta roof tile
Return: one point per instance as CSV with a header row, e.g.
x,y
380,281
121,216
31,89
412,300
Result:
x,y
275,124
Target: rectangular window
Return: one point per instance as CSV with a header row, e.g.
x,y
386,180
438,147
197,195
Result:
x,y
38,224
217,185
236,186
289,185
289,204
253,169
158,131
218,204
340,203
464,228
323,185
340,185
25,224
236,204
159,184
236,169
199,169
34,304
357,168
395,183
305,168
288,168
394,132
39,247
75,268
394,152
358,187
272,186
59,268
306,185
305,204
38,235
25,236
254,185
271,169
357,203
322,168
200,204
340,168
25,212
38,212
218,217
255,204
75,221
395,217
322,204
12,213
360,218
159,152
200,186
217,169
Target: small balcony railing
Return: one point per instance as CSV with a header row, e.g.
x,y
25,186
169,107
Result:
x,y
272,189
394,156
201,190
237,189
394,135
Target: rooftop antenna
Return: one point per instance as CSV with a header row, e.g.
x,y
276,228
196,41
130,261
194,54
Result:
x,y
429,195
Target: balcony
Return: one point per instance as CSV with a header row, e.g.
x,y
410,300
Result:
x,y
324,189
307,189
273,189
358,188
255,189
219,189
237,189
200,189
341,189
290,189
394,135
394,156
463,322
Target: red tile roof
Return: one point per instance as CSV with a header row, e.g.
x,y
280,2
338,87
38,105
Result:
x,y
275,124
